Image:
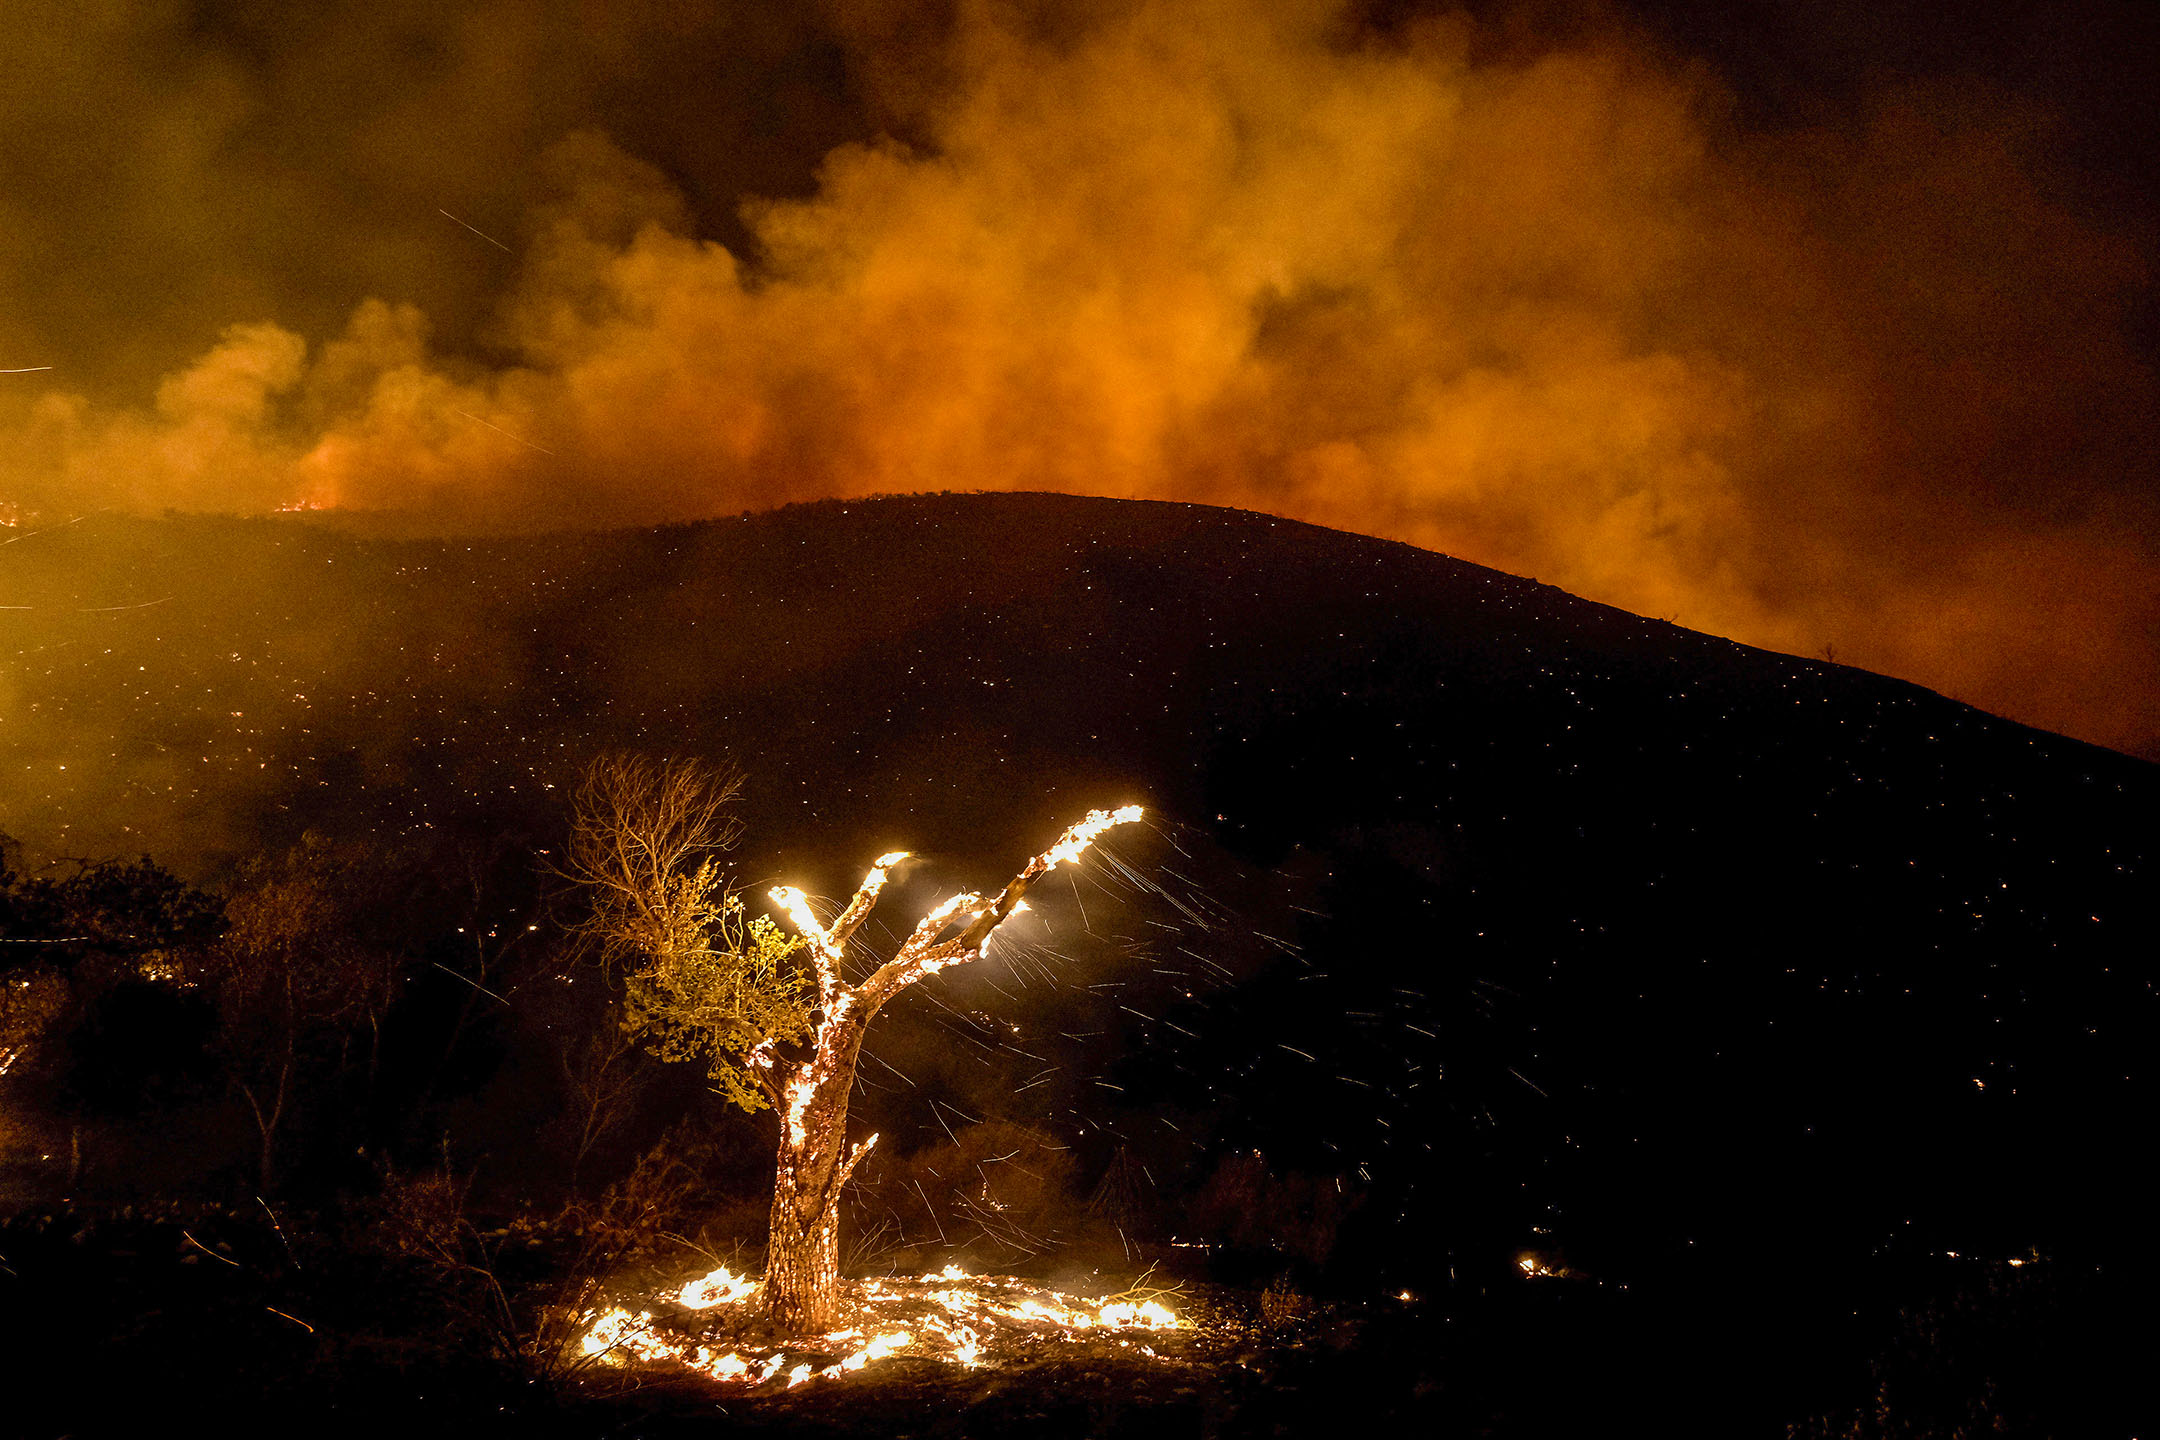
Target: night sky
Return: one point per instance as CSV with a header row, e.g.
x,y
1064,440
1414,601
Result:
x,y
1828,327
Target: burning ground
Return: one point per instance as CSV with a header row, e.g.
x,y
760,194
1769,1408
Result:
x,y
716,1327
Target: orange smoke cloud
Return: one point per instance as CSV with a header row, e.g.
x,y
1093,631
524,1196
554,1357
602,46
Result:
x,y
1555,313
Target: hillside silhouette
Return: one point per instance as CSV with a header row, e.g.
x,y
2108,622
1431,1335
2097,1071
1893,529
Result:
x,y
1520,921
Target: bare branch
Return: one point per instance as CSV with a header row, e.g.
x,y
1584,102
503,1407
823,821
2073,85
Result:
x,y
847,1167
645,840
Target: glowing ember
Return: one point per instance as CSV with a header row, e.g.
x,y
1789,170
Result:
x,y
799,1093
721,1287
945,912
877,1349
1146,1315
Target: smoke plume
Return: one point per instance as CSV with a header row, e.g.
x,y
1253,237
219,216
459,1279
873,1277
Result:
x,y
1862,385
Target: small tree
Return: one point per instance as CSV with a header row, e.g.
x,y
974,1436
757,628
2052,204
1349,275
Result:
x,y
295,977
707,982
601,1077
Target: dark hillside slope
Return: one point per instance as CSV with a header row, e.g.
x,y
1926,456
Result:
x,y
1641,938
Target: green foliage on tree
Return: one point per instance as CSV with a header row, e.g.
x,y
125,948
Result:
x,y
737,989
703,980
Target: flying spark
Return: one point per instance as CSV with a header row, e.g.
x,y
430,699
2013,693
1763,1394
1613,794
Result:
x,y
500,431
481,233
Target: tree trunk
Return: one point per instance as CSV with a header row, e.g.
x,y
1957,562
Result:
x,y
802,1259
266,1123
802,1254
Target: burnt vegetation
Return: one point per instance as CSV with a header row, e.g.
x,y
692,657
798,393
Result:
x,y
1708,1027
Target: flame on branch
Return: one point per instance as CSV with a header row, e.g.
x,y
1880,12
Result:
x,y
824,954
925,954
926,951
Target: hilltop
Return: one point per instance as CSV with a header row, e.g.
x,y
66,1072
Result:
x,y
1574,926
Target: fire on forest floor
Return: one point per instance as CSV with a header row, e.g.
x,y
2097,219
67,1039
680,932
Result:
x,y
714,1328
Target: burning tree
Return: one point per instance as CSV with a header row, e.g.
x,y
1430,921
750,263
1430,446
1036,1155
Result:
x,y
705,981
